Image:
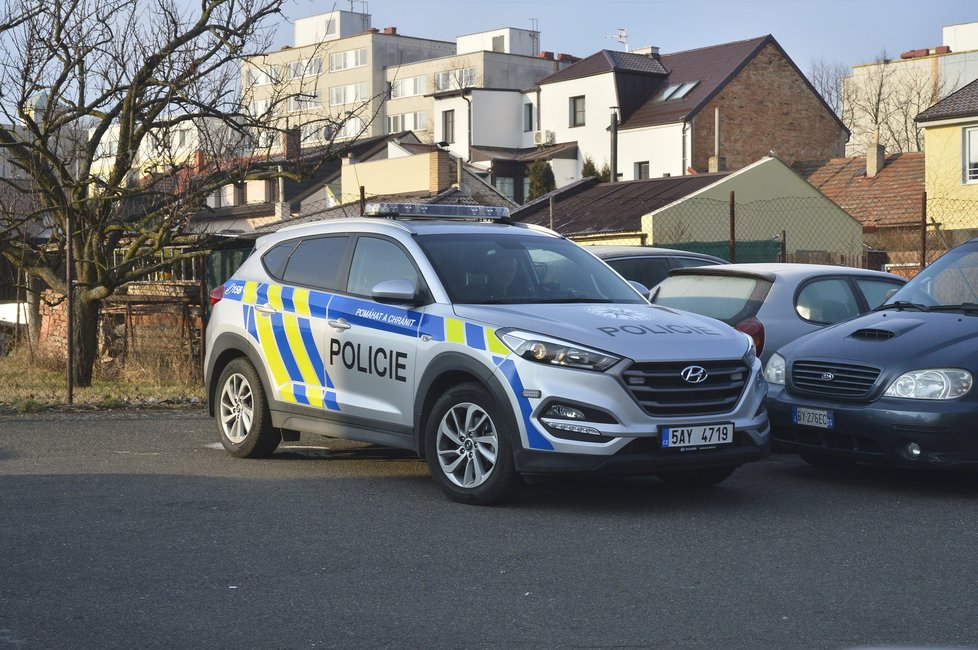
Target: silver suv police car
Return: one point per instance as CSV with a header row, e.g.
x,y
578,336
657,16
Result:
x,y
493,350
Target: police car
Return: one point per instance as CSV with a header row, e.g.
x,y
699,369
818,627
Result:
x,y
494,350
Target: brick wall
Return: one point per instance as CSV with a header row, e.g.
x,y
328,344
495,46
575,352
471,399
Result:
x,y
441,171
768,105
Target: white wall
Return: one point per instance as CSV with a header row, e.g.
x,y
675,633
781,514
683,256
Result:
x,y
516,41
460,147
961,38
662,146
497,118
313,29
593,138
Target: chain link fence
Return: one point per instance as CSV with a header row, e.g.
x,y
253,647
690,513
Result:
x,y
803,230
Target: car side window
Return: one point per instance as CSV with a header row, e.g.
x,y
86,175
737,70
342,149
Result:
x,y
316,262
826,301
686,262
650,271
376,260
876,291
276,258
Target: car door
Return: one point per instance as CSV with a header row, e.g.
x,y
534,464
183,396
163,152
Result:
x,y
289,318
371,346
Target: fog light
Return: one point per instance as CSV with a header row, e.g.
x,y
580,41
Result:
x,y
564,412
913,450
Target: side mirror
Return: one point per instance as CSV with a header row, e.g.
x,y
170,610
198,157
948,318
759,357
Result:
x,y
638,286
398,291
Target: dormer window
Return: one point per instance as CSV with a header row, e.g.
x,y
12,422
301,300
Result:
x,y
677,91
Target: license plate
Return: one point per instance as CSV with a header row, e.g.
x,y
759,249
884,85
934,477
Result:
x,y
813,417
699,436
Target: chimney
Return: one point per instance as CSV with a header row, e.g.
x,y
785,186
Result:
x,y
291,143
390,30
650,51
875,157
716,163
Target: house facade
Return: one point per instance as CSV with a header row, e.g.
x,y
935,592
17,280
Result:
x,y
731,103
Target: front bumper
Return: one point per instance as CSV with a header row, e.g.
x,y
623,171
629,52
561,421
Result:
x,y
880,432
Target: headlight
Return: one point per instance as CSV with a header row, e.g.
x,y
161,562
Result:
x,y
774,370
933,383
542,349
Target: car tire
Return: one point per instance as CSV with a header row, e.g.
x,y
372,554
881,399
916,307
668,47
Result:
x,y
469,447
243,420
823,461
696,477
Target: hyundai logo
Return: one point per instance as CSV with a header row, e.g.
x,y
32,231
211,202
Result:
x,y
827,376
694,374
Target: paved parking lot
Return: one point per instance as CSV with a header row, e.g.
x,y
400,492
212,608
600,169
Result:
x,y
134,530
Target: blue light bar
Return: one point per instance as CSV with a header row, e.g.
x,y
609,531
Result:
x,y
435,211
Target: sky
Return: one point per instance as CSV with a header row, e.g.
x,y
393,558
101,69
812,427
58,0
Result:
x,y
849,32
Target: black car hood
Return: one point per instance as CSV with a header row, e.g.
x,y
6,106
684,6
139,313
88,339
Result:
x,y
895,341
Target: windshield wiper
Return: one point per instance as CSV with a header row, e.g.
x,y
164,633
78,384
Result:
x,y
550,301
965,306
901,305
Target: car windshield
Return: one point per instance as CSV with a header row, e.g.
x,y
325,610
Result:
x,y
507,268
950,282
730,298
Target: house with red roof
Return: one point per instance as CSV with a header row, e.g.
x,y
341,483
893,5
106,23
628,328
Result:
x,y
721,107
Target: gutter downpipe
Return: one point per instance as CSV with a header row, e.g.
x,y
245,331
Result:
x,y
683,138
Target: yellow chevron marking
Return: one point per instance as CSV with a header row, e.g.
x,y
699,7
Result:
x,y
272,355
454,330
302,359
250,293
495,345
275,297
300,298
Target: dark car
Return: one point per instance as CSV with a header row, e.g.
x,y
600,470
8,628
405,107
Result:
x,y
776,303
893,386
648,265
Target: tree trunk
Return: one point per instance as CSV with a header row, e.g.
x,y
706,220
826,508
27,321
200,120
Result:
x,y
84,346
34,288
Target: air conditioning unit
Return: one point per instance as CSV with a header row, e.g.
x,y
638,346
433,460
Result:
x,y
543,137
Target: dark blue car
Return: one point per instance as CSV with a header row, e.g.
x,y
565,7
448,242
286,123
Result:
x,y
894,386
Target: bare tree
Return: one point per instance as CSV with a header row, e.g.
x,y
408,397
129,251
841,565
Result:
x,y
119,118
826,77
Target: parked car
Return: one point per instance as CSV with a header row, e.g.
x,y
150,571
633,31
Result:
x,y
494,350
776,303
893,386
649,265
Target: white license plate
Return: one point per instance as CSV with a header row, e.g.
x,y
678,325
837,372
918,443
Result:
x,y
699,436
820,418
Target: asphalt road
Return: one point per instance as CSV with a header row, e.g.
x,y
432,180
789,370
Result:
x,y
135,530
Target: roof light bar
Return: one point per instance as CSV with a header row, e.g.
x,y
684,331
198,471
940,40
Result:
x,y
435,211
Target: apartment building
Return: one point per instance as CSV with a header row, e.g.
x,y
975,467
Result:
x,y
886,95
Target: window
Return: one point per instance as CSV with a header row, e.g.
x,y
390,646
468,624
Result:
x,y
349,59
971,155
876,291
642,169
304,68
348,94
448,126
576,111
377,260
498,43
411,87
407,122
316,262
677,91
261,76
353,127
650,271
505,186
827,301
259,107
455,79
304,102
527,117
179,138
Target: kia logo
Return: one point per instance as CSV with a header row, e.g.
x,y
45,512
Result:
x,y
827,376
694,374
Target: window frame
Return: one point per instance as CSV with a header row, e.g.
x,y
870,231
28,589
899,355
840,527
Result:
x,y
969,155
577,114
448,126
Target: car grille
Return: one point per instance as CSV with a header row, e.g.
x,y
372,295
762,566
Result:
x,y
833,379
661,390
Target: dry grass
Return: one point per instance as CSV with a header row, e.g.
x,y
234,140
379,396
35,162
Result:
x,y
29,382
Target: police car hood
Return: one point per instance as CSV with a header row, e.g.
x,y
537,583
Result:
x,y
639,332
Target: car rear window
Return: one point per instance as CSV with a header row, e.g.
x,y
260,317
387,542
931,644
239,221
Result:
x,y
728,298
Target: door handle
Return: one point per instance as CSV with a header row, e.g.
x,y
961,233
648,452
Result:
x,y
339,324
265,309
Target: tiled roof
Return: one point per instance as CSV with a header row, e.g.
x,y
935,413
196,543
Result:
x,y
891,198
961,103
560,150
590,207
608,61
711,66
